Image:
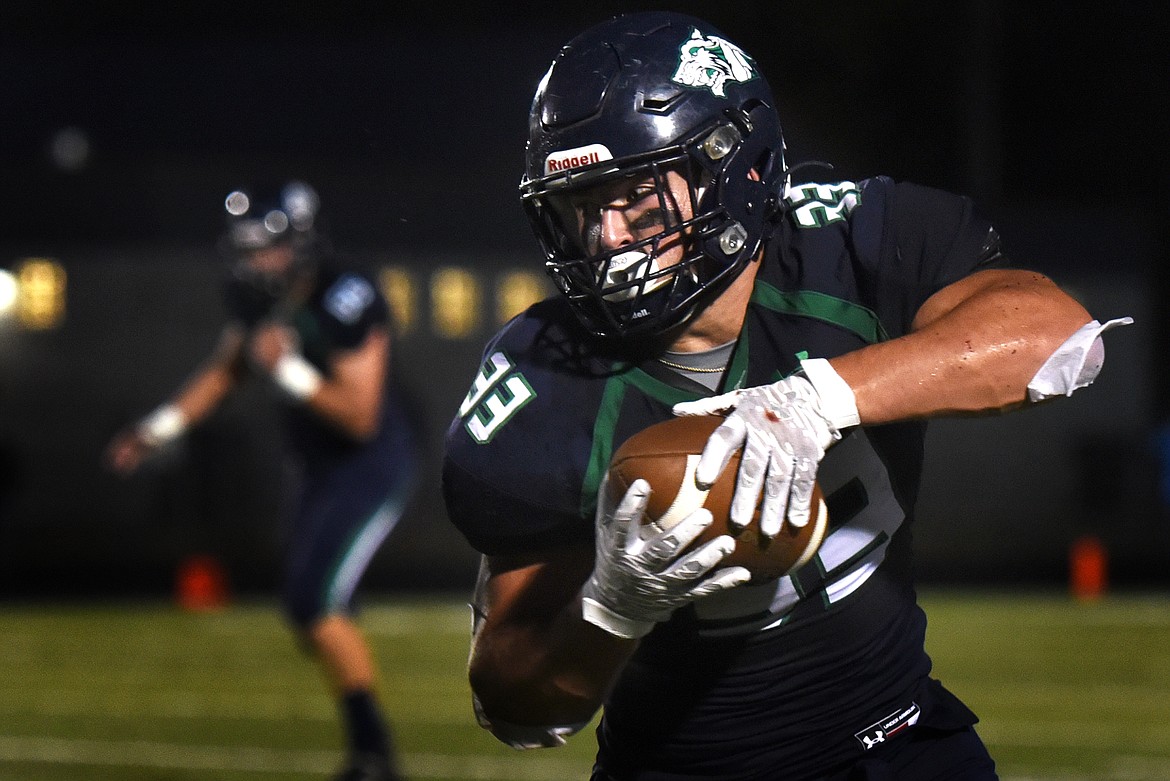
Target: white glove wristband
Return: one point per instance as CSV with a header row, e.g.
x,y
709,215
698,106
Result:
x,y
164,425
837,402
619,626
296,376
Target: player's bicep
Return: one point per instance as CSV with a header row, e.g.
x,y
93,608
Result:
x,y
365,365
356,379
1023,288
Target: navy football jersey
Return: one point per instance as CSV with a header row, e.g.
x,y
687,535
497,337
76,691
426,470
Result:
x,y
785,674
339,313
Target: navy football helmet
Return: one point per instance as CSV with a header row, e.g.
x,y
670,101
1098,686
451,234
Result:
x,y
649,99
257,221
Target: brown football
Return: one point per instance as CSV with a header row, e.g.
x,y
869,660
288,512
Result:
x,y
665,455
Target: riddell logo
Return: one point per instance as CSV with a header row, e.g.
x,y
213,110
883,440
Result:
x,y
575,158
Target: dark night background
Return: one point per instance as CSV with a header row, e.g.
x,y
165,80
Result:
x,y
410,121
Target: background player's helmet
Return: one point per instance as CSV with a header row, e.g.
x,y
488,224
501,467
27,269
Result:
x,y
635,96
258,220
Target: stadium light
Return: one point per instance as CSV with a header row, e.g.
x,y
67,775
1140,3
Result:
x,y
40,300
516,291
455,303
398,287
9,290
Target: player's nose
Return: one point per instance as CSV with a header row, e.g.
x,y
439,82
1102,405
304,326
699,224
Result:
x,y
615,229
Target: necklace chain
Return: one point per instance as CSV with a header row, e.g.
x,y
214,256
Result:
x,y
680,367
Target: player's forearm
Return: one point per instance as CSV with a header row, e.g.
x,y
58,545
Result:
x,y
537,669
350,396
206,388
350,402
974,349
171,419
204,391
354,412
546,675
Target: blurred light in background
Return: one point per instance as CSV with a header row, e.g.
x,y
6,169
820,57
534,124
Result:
x,y
399,290
9,289
457,299
69,149
456,302
518,290
40,294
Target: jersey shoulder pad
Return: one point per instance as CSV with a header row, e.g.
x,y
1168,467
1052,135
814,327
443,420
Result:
x,y
824,204
518,448
349,297
349,304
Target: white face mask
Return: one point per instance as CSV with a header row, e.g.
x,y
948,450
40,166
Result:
x,y
629,267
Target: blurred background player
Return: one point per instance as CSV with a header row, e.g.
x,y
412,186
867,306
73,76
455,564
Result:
x,y
322,334
826,320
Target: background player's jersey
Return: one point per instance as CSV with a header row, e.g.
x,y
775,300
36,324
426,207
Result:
x,y
338,315
783,673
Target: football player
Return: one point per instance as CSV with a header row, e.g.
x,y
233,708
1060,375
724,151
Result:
x,y
827,321
322,335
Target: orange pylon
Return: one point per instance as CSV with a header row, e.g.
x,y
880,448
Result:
x,y
201,584
1088,568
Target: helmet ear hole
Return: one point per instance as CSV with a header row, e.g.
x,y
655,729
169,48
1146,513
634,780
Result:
x,y
721,142
762,167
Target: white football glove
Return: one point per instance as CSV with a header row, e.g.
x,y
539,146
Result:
x,y
784,429
638,581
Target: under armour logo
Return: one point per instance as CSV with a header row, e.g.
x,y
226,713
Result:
x,y
889,726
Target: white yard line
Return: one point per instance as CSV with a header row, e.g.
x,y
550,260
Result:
x,y
109,753
60,703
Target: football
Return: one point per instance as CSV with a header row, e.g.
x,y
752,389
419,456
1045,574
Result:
x,y
665,455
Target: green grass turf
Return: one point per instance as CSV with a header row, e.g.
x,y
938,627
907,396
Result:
x,y
144,691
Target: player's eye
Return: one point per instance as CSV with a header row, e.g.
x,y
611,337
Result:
x,y
641,192
650,218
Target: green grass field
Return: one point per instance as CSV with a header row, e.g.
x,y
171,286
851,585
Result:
x,y
132,692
